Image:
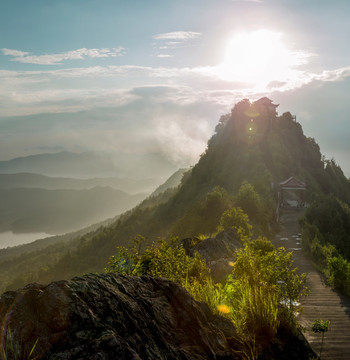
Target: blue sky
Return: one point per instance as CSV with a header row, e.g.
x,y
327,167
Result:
x,y
155,76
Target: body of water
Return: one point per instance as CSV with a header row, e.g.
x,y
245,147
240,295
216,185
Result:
x,y
9,238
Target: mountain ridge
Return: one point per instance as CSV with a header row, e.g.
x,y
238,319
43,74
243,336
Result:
x,y
275,150
88,164
32,180
57,211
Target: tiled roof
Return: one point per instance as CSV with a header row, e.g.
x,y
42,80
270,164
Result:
x,y
292,182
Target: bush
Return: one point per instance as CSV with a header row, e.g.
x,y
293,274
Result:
x,y
339,273
235,217
161,259
261,292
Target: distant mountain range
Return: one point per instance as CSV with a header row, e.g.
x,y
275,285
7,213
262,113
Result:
x,y
61,202
91,165
30,180
60,211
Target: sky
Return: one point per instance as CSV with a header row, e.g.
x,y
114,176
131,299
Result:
x,y
139,76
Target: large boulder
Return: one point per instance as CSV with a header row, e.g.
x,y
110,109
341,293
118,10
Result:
x,y
108,316
218,252
111,317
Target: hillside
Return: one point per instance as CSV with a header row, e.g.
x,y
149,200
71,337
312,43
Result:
x,y
173,181
24,263
252,144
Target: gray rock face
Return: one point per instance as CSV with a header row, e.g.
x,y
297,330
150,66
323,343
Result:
x,y
218,252
112,317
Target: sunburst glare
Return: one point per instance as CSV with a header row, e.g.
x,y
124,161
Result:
x,y
258,58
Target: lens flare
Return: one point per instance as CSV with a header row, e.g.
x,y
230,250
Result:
x,y
224,309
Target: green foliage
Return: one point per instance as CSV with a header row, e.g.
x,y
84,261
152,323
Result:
x,y
339,273
320,326
332,219
261,265
161,259
204,216
235,217
249,200
326,237
261,292
258,210
253,308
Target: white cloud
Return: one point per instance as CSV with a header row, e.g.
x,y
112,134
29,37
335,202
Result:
x,y
172,40
16,53
164,56
110,101
76,89
333,75
177,35
57,59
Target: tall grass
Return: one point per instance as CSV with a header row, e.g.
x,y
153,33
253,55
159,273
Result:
x,y
251,297
11,349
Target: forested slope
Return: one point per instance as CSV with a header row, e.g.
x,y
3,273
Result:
x,y
252,150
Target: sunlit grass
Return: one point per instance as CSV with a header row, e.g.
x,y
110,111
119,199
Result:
x,y
251,298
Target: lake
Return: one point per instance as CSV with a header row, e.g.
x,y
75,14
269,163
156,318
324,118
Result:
x,y
9,238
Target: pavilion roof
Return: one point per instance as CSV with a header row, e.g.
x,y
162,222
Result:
x,y
292,182
265,101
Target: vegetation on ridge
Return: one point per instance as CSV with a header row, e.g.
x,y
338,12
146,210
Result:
x,y
235,160
259,296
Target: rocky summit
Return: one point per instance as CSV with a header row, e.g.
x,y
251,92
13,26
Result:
x,y
120,317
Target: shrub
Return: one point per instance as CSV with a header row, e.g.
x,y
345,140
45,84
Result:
x,y
235,217
262,290
161,259
320,326
339,273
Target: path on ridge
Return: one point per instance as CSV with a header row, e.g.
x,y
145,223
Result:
x,y
323,302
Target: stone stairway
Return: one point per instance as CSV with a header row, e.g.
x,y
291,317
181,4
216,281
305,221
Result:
x,y
323,302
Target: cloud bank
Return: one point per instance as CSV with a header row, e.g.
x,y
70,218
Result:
x,y
177,35
57,59
132,108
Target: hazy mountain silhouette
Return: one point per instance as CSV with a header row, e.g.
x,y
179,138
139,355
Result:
x,y
91,164
60,211
29,180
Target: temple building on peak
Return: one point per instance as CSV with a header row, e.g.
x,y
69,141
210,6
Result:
x,y
265,107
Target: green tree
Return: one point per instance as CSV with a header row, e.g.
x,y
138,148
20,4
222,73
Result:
x,y
249,200
339,273
320,326
203,217
162,259
236,218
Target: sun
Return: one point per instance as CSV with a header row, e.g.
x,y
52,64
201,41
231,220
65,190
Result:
x,y
257,58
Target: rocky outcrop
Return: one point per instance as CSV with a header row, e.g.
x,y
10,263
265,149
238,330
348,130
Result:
x,y
112,317
108,316
218,252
